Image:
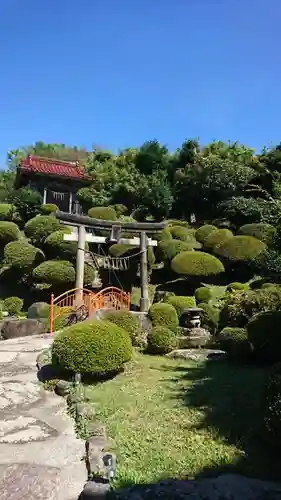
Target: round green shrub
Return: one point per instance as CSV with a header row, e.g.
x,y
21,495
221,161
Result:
x,y
22,256
216,238
89,274
178,222
270,285
262,231
272,406
180,302
169,249
97,347
264,335
204,231
237,286
105,213
210,316
13,305
197,264
48,208
55,244
120,209
54,272
6,211
203,294
161,340
235,343
240,248
9,231
128,321
38,310
182,233
163,314
39,228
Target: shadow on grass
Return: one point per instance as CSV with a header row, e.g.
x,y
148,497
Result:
x,y
229,397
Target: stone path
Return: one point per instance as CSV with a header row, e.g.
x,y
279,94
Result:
x,y
40,457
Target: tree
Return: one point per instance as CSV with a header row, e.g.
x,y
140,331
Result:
x,y
27,202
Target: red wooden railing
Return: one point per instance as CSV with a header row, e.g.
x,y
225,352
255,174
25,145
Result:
x,y
109,298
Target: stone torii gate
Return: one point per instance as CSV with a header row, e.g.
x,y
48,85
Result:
x,y
79,224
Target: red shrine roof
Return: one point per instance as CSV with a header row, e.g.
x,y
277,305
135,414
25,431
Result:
x,y
50,166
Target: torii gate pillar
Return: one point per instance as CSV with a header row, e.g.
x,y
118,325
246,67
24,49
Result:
x,y
144,302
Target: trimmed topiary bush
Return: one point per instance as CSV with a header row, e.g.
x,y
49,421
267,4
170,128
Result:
x,y
240,248
204,231
128,321
164,235
161,340
264,334
40,227
237,286
203,294
210,316
99,347
235,343
197,264
48,208
120,209
180,302
13,305
23,256
38,310
182,233
169,249
105,213
54,272
163,314
216,238
9,231
272,406
89,274
6,211
262,231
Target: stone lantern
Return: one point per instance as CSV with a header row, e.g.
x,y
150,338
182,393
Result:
x,y
190,332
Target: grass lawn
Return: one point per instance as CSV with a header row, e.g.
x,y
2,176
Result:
x,y
181,419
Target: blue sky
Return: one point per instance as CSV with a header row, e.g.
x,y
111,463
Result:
x,y
118,72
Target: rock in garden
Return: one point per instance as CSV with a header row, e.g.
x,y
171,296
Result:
x,y
197,354
14,328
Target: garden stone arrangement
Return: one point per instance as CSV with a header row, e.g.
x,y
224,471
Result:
x,y
40,454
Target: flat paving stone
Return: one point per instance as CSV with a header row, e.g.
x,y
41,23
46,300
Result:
x,y
29,482
7,357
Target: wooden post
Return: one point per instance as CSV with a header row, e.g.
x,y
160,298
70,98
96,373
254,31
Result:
x,y
80,261
70,202
143,272
45,196
51,314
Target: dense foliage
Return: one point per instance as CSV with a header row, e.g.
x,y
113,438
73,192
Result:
x,y
162,314
98,347
13,305
196,264
161,340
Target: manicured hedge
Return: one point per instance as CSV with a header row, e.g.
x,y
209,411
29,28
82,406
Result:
x,y
182,233
22,256
128,321
9,231
203,294
6,211
54,272
55,244
261,231
97,347
204,231
40,227
161,340
105,213
169,249
216,238
13,305
163,314
48,208
264,334
180,302
163,235
240,248
234,341
197,264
